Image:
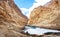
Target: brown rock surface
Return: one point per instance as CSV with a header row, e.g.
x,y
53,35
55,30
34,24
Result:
x,y
47,16
51,35
11,19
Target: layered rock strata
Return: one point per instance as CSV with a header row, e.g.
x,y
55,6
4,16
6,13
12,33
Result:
x,y
11,19
47,16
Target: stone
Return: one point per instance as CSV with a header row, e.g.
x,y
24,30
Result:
x,y
47,16
51,34
11,19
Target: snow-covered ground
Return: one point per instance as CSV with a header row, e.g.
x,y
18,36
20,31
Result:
x,y
38,31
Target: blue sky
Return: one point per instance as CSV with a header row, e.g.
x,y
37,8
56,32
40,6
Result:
x,y
24,3
26,6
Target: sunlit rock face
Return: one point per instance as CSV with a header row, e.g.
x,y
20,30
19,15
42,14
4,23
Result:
x,y
11,19
47,16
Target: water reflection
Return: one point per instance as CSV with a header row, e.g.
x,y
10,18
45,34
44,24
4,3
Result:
x,y
38,31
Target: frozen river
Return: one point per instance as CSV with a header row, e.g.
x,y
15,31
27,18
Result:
x,y
38,31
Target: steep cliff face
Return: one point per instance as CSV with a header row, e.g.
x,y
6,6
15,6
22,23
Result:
x,y
47,16
11,19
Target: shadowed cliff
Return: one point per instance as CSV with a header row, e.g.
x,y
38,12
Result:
x,y
11,19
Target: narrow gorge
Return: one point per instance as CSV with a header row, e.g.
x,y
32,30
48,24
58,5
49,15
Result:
x,y
13,23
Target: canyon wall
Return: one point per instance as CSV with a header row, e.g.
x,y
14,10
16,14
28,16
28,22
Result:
x,y
11,19
47,16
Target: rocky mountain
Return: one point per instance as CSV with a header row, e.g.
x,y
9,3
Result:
x,y
47,16
11,19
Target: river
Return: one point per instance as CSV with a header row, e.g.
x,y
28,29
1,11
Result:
x,y
38,31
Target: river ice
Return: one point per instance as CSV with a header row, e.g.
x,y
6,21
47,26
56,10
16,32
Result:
x,y
37,31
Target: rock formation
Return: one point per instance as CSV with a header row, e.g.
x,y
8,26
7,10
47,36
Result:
x,y
47,16
11,19
51,34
